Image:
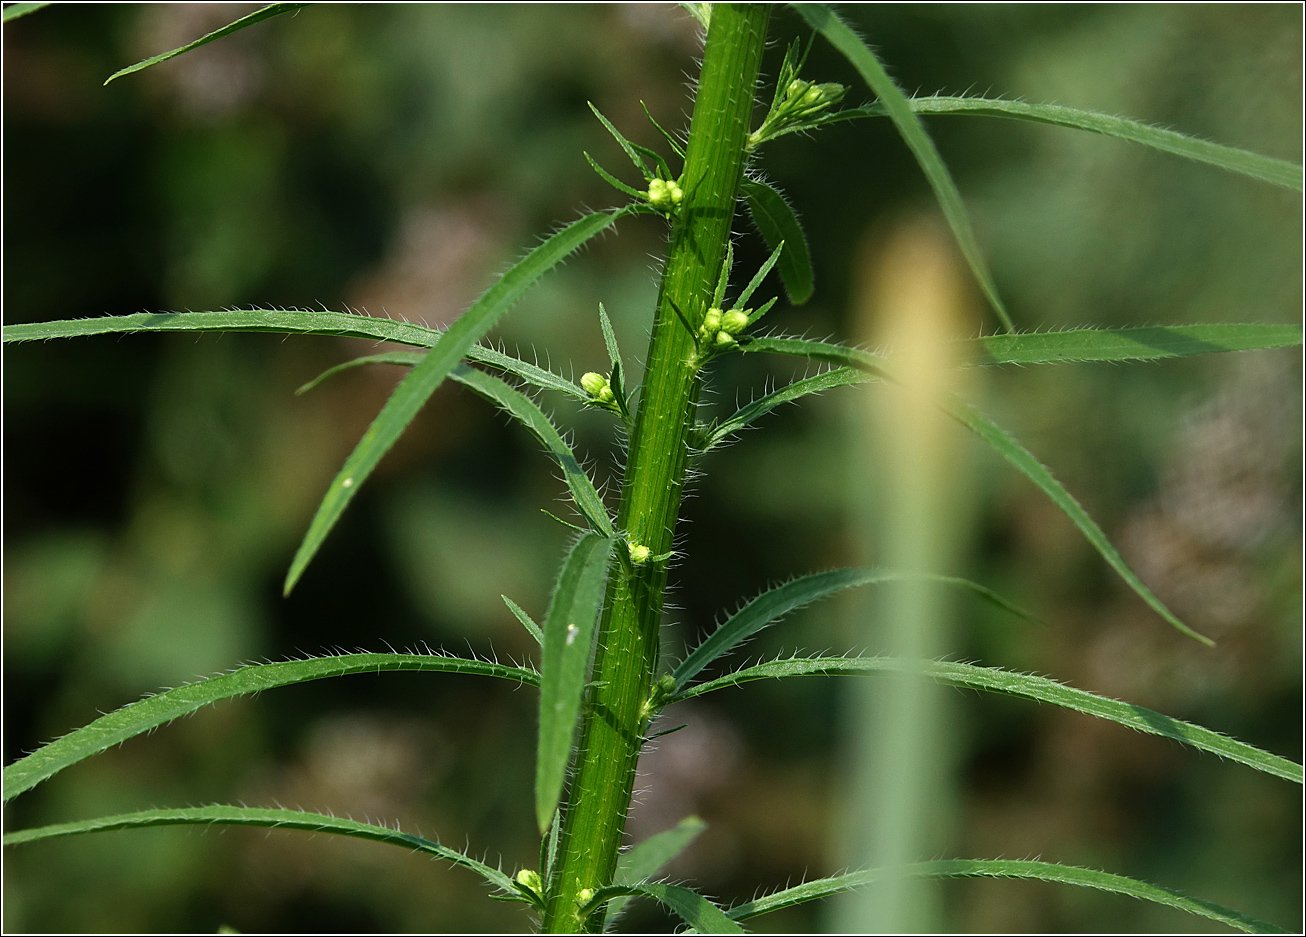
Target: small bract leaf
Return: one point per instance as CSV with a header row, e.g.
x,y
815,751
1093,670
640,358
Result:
x,y
777,223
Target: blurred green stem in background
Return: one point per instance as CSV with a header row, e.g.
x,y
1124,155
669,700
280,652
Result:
x,y
909,497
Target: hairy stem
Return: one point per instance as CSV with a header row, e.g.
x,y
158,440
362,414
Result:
x,y
626,660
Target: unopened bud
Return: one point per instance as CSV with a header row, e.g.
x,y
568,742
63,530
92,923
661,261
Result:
x,y
724,338
597,386
796,88
734,321
664,195
531,879
712,321
639,553
584,896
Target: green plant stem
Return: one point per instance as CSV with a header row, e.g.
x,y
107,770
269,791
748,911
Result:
x,y
626,659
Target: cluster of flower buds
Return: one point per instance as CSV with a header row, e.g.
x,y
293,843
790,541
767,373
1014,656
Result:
x,y
598,387
720,328
664,195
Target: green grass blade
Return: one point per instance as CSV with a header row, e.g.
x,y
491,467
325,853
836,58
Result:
x,y
532,417
568,641
153,711
258,16
688,905
1020,457
1139,343
222,815
527,622
15,10
1265,168
776,220
415,389
645,860
1026,686
286,322
1005,446
839,377
773,604
1007,868
824,21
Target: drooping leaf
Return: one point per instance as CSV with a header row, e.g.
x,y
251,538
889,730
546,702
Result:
x,y
1138,343
1265,168
153,711
1003,444
258,16
776,221
1007,868
1027,686
568,641
222,815
775,603
15,10
612,180
415,389
688,905
646,859
288,322
913,133
407,359
1017,455
532,417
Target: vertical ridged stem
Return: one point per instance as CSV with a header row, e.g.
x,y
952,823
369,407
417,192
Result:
x,y
612,724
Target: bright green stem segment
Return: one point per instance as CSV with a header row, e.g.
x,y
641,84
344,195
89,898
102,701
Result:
x,y
613,720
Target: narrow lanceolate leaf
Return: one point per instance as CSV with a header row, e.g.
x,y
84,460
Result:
x,y
1027,686
824,21
747,414
776,220
527,622
1002,443
1018,456
15,10
288,322
153,711
568,640
532,417
645,860
1007,868
685,903
221,815
1141,343
775,603
258,16
1265,168
415,389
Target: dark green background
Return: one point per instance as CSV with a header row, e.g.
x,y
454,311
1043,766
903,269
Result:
x,y
395,158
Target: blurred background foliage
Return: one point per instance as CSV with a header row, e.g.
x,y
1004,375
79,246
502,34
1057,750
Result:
x,y
392,159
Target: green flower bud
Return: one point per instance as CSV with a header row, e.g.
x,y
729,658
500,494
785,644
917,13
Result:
x,y
664,195
597,386
531,879
814,96
666,684
584,896
734,321
639,553
724,338
796,88
712,321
